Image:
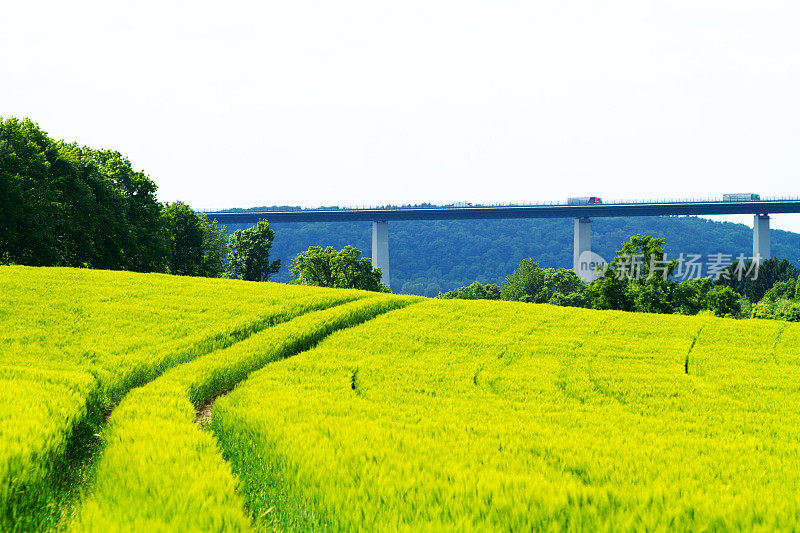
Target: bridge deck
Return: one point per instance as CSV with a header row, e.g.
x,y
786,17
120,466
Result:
x,y
501,212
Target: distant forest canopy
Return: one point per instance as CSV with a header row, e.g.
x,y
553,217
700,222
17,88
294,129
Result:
x,y
428,257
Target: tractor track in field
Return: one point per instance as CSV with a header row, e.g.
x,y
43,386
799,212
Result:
x,y
778,339
204,412
74,469
569,361
203,416
314,336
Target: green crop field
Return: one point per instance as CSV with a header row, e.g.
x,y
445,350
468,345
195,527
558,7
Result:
x,y
141,402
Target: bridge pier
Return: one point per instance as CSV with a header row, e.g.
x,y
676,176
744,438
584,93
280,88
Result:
x,y
761,242
380,248
583,241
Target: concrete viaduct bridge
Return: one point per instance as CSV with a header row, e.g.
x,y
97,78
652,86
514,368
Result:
x,y
582,214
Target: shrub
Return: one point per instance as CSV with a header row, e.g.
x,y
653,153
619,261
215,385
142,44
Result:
x,y
609,292
746,306
723,301
476,291
762,310
787,310
689,297
575,299
782,290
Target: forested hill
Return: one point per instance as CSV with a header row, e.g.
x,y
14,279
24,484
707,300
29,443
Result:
x,y
431,256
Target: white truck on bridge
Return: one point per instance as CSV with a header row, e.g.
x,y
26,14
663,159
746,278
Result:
x,y
741,197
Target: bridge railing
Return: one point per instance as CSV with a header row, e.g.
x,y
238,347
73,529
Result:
x,y
461,205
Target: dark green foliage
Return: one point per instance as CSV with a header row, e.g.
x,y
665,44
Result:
x,y
797,291
145,243
608,292
650,290
652,296
779,303
723,301
573,299
66,205
531,283
689,297
770,272
564,288
788,310
197,246
248,253
563,281
637,279
782,290
525,284
476,291
344,269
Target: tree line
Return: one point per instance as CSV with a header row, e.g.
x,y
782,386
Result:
x,y
773,293
62,204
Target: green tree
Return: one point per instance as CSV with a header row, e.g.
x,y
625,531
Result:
x,y
215,248
492,291
345,269
787,310
609,292
573,299
196,245
797,291
782,290
27,214
636,279
651,289
762,310
248,253
652,296
689,297
526,284
146,245
315,267
356,272
66,205
531,283
563,281
566,288
723,301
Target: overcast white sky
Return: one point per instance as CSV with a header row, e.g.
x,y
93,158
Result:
x,y
237,104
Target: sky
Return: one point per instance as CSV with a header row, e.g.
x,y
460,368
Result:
x,y
240,104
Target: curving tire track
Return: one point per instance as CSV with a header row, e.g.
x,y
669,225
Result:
x,y
157,470
51,500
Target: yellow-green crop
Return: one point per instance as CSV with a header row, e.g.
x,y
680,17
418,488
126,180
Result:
x,y
74,342
392,413
451,415
158,471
